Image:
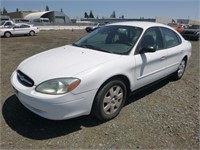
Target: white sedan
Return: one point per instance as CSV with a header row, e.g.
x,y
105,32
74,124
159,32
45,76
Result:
x,y
19,29
96,74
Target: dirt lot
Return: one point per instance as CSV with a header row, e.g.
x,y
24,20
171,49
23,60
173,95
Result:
x,y
162,116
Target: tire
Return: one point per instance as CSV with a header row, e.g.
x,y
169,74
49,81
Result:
x,y
88,30
31,33
180,71
197,39
109,100
7,34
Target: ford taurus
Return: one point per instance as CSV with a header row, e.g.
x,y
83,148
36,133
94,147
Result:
x,y
95,74
19,29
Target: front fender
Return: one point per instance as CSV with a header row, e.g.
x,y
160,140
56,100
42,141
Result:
x,y
95,77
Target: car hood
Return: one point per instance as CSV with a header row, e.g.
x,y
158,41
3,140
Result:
x,y
66,61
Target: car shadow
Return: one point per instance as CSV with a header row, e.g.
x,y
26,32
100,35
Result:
x,y
29,125
32,126
145,91
17,36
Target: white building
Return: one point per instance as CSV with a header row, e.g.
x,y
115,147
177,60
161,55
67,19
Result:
x,y
48,16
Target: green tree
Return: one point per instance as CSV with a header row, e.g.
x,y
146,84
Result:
x,y
91,14
47,8
86,15
4,11
113,15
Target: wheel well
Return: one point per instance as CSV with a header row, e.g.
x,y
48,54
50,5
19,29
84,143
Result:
x,y
120,77
32,31
185,58
8,32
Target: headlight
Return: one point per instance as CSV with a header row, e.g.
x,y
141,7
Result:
x,y
58,86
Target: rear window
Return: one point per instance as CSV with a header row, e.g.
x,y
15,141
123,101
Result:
x,y
171,38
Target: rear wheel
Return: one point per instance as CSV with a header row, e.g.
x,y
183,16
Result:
x,y
31,33
197,39
180,71
109,100
7,34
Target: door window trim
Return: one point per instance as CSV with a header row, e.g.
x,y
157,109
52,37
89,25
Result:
x,y
138,45
175,34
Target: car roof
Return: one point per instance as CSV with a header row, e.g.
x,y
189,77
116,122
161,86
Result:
x,y
19,24
141,24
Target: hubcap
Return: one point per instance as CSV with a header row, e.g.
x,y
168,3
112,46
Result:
x,y
112,100
7,34
181,68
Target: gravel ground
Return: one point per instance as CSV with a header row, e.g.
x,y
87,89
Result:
x,y
164,116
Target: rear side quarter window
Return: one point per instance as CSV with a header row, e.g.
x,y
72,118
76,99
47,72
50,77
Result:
x,y
171,38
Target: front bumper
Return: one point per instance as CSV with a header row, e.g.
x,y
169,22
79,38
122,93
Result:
x,y
1,33
54,107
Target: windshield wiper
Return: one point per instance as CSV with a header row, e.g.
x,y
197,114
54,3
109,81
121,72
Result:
x,y
94,48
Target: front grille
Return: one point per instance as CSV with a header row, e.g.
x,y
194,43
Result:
x,y
24,79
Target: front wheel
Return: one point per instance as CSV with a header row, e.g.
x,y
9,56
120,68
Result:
x,y
197,39
180,71
7,34
109,100
31,33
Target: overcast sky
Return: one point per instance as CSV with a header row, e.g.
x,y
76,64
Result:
x,y
175,9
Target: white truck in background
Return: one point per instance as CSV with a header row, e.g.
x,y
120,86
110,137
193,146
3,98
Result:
x,y
6,24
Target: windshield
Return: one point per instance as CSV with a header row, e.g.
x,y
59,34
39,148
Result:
x,y
2,23
112,39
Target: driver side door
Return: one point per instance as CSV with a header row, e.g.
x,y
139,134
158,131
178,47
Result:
x,y
150,65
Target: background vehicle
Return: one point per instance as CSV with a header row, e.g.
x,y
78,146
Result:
x,y
19,29
192,33
96,74
92,28
6,24
180,28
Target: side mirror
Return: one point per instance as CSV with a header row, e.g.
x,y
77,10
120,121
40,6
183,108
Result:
x,y
148,49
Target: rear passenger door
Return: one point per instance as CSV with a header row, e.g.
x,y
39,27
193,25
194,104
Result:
x,y
21,29
173,48
25,29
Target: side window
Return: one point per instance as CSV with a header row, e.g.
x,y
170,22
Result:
x,y
171,39
151,38
16,26
8,24
24,26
